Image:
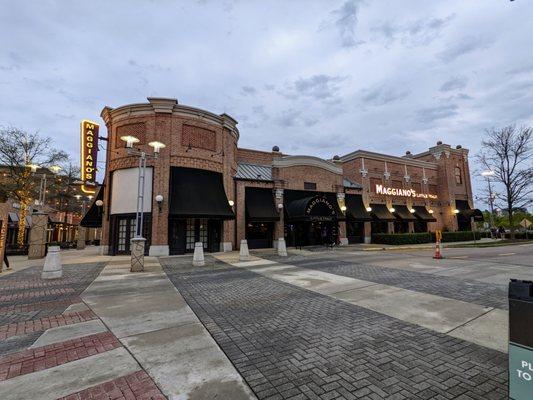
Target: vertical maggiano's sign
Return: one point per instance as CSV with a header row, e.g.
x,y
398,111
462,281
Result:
x,y
89,153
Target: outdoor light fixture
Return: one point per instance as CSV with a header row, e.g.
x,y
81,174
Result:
x,y
90,197
343,208
157,146
456,211
55,169
430,211
368,209
99,203
392,209
159,200
280,206
130,140
412,210
33,167
78,196
231,203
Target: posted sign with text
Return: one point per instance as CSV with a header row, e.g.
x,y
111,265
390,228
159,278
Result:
x,y
88,157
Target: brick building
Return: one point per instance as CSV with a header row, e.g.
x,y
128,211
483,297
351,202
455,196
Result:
x,y
217,193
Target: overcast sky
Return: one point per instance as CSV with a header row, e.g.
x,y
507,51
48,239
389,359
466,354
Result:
x,y
313,77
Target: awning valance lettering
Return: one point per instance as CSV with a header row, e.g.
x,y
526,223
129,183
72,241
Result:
x,y
198,193
260,205
312,206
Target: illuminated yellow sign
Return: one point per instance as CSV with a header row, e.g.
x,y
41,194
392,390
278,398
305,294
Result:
x,y
380,189
89,153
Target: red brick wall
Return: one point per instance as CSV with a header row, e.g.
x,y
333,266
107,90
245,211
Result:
x,y
254,156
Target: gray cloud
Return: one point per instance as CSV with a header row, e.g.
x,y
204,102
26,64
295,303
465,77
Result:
x,y
469,44
419,32
382,95
345,19
320,87
249,90
432,114
295,118
457,82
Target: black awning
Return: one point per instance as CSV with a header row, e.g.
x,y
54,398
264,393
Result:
x,y
312,206
466,212
198,193
260,205
381,212
93,216
355,209
423,214
403,213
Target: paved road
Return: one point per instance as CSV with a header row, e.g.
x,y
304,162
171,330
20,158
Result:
x,y
292,343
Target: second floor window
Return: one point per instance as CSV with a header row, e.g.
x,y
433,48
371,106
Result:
x,y
458,176
309,186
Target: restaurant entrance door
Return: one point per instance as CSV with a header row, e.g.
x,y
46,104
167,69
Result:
x,y
184,233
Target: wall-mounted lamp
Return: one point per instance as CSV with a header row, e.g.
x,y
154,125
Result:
x,y
430,211
368,209
456,211
99,203
159,200
130,140
343,208
33,167
231,203
392,209
280,206
55,169
412,210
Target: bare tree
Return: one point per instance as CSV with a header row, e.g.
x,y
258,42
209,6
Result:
x,y
18,150
508,152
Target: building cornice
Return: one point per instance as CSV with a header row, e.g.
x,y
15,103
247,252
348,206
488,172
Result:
x,y
308,161
384,157
159,105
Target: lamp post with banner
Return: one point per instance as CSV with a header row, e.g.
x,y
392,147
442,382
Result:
x,y
138,242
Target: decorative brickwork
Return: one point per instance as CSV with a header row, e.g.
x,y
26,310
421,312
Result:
x,y
137,385
39,358
199,138
45,323
137,129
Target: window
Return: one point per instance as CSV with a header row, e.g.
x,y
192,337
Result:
x,y
309,186
458,176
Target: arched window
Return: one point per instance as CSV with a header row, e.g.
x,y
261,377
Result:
x,y
458,176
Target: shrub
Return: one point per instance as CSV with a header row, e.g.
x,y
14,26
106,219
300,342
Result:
x,y
401,238
460,236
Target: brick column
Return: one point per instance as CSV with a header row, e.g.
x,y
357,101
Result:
x,y
39,225
368,232
411,227
390,226
240,204
82,234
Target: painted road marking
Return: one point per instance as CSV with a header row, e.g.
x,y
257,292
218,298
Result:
x,y
506,254
458,257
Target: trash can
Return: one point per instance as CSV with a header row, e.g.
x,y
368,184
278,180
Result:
x,y
520,340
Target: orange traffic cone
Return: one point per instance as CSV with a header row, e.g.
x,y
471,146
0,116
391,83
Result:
x,y
438,254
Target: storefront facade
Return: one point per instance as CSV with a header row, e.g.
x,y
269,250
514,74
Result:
x,y
216,193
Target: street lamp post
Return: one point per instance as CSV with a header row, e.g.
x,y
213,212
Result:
x,y
138,242
487,175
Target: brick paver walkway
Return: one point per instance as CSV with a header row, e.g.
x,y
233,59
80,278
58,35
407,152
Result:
x,y
471,291
290,343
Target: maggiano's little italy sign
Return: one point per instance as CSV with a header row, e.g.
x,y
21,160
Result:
x,y
400,192
89,153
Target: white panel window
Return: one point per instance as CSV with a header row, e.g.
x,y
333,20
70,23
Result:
x,y
124,191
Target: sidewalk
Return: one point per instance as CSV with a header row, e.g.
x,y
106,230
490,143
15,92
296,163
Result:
x,y
101,332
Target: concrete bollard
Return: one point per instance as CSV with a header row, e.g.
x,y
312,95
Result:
x,y
244,254
198,257
282,248
52,268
